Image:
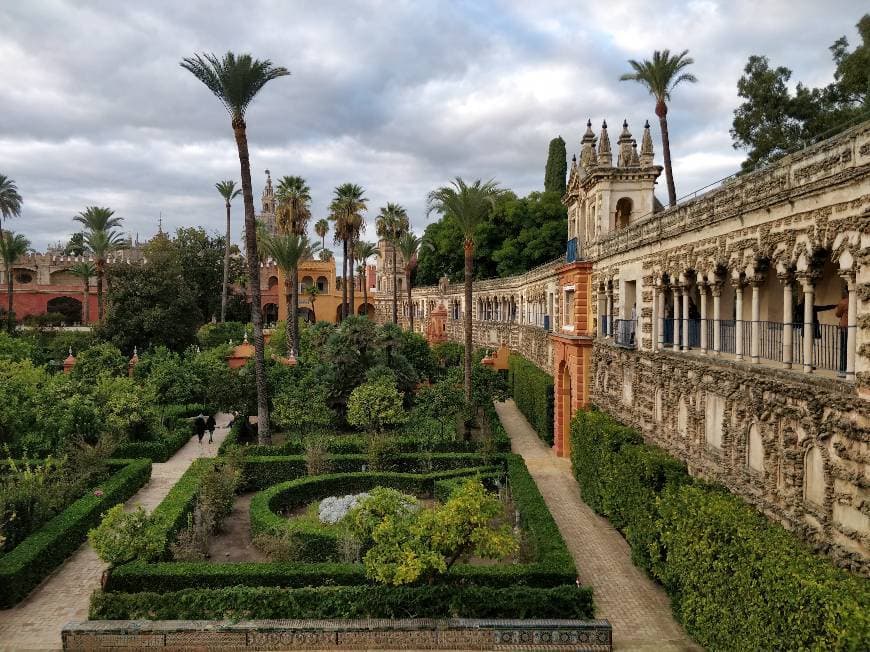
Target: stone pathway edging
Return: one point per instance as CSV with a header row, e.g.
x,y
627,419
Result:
x,y
637,608
64,596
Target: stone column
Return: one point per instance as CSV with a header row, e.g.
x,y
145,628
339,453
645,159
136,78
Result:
x,y
852,325
738,319
703,289
809,299
787,327
660,300
716,289
676,291
609,312
755,327
685,334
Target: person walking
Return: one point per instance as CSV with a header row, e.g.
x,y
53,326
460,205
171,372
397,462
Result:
x,y
199,427
210,425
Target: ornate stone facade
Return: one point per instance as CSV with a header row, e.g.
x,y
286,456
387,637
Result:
x,y
733,329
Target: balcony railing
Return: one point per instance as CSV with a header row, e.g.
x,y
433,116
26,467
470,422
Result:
x,y
625,332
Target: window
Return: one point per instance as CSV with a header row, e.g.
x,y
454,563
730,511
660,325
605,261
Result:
x,y
23,276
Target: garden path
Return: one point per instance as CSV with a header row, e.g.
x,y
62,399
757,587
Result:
x,y
35,623
637,608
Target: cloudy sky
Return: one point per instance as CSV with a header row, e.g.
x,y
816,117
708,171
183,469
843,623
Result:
x,y
396,96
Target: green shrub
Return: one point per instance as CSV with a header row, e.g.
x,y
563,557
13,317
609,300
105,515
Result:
x,y
25,566
220,334
375,407
732,575
347,602
124,536
532,391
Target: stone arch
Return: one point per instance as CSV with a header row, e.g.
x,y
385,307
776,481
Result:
x,y
272,282
322,284
69,307
624,208
307,282
270,313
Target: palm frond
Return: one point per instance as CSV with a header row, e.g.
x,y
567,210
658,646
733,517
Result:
x,y
228,190
10,198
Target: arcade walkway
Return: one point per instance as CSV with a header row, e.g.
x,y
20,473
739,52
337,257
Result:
x,y
636,607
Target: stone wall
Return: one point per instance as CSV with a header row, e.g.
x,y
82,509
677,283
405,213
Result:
x,y
381,634
795,447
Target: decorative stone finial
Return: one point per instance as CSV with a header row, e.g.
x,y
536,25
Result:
x,y
605,156
635,160
646,146
624,143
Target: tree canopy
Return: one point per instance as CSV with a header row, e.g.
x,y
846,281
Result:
x,y
557,167
773,120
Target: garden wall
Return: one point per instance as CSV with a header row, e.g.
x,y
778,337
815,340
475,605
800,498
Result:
x,y
707,547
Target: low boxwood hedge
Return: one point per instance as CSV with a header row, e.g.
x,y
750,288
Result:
x,y
732,574
437,601
178,432
23,567
532,391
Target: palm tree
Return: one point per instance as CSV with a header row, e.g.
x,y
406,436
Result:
x,y
294,205
228,191
346,209
10,200
321,228
391,223
364,251
469,205
235,81
409,246
85,270
288,250
12,247
357,226
101,239
326,255
312,293
660,76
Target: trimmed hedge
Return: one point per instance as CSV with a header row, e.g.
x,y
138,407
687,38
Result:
x,y
30,561
239,603
553,566
732,574
171,514
178,433
532,391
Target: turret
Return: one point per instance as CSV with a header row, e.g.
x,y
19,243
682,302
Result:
x,y
587,148
624,144
605,156
646,146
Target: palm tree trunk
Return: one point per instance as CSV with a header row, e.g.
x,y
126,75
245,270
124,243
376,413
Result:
x,y
352,275
365,294
10,316
344,278
264,436
294,312
666,148
226,270
410,307
86,307
395,287
100,307
469,271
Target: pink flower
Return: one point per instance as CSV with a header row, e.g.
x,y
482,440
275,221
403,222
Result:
x,y
98,493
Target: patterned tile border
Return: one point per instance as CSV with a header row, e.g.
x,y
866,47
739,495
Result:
x,y
381,634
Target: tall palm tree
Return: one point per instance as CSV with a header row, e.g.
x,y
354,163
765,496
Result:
x,y
409,246
357,226
321,228
294,205
392,222
235,81
312,293
288,250
229,192
469,205
12,247
363,251
346,208
10,200
101,239
85,270
660,76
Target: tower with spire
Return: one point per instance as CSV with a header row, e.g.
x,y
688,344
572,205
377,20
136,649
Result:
x,y
603,197
267,206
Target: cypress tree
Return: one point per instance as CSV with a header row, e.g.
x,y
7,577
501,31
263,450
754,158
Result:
x,y
557,167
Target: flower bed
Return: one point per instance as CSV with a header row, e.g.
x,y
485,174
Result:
x,y
22,568
543,588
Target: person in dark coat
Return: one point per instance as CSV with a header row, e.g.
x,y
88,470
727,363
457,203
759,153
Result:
x,y
210,425
199,428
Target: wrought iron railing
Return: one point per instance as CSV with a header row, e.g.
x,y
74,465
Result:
x,y
770,340
727,336
625,332
668,331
